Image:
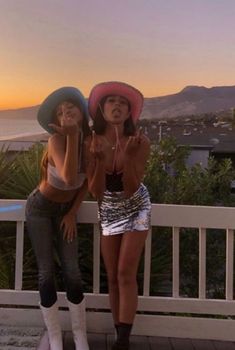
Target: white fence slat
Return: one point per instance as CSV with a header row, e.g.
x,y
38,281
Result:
x,y
12,209
164,326
202,263
176,266
192,216
148,304
162,214
229,263
19,254
147,263
96,259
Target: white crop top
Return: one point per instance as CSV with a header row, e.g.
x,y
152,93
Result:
x,y
55,180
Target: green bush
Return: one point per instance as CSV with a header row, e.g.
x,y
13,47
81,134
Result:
x,y
169,180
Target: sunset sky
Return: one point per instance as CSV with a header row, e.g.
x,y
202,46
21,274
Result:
x,y
159,46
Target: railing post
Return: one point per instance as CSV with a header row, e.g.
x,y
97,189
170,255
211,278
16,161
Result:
x,y
202,263
19,254
175,268
147,263
229,263
96,259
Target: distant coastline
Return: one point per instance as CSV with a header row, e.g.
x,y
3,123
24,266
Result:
x,y
19,129
22,136
25,137
22,141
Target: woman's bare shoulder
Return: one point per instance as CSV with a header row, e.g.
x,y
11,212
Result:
x,y
55,139
145,140
55,142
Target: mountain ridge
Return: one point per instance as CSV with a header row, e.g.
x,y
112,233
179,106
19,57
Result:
x,y
191,100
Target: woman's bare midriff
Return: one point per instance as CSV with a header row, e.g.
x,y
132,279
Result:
x,y
56,195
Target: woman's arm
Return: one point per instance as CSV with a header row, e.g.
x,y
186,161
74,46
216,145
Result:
x,y
80,195
95,166
136,155
69,221
64,151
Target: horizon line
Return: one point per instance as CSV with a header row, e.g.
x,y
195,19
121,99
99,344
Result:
x,y
5,109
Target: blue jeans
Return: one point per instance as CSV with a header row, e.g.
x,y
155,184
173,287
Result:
x,y
43,218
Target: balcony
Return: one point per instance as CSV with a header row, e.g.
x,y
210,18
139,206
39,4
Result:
x,y
159,318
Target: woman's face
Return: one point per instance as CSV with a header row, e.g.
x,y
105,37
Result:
x,y
67,109
116,109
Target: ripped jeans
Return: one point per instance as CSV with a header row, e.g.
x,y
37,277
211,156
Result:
x,y
43,218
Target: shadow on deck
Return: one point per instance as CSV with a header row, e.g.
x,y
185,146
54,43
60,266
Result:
x,y
105,341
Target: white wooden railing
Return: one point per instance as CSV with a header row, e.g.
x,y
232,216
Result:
x,y
163,316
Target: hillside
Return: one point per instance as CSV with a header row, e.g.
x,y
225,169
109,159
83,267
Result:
x,y
21,113
192,100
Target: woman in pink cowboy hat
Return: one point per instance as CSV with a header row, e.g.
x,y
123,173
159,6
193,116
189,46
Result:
x,y
117,156
51,210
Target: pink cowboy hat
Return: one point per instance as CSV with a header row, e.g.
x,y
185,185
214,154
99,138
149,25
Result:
x,y
101,90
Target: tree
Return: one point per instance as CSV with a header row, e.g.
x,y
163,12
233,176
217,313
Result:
x,y
169,180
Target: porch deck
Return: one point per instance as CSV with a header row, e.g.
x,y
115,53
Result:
x,y
104,342
20,338
99,341
162,322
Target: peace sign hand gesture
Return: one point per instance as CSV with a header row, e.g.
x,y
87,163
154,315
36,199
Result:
x,y
96,147
133,143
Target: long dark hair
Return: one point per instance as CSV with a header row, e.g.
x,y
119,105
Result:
x,y
86,132
44,164
99,124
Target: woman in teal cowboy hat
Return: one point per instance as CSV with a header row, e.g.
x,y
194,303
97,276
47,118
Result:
x,y
51,210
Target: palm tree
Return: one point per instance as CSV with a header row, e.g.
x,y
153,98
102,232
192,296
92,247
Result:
x,y
5,169
18,177
23,173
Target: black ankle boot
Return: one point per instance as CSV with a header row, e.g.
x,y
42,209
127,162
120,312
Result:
x,y
116,325
123,334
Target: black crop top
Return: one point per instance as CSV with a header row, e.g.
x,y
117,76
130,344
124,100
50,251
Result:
x,y
114,182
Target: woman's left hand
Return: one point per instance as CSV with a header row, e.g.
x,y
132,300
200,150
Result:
x,y
133,143
69,227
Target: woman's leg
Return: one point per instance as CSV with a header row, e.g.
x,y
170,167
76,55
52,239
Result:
x,y
110,248
68,253
40,231
130,252
73,284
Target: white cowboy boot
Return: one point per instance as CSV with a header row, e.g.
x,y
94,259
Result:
x,y
51,319
78,320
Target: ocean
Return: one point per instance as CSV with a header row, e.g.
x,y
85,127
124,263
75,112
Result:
x,y
11,128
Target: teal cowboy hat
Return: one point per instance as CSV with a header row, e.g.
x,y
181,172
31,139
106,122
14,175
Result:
x,y
47,108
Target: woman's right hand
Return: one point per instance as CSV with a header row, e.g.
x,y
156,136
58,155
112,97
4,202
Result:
x,y
69,227
69,126
96,147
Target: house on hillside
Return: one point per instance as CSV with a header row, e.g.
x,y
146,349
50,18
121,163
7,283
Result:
x,y
204,137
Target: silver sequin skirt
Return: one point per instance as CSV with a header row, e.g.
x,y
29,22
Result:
x,y
118,214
